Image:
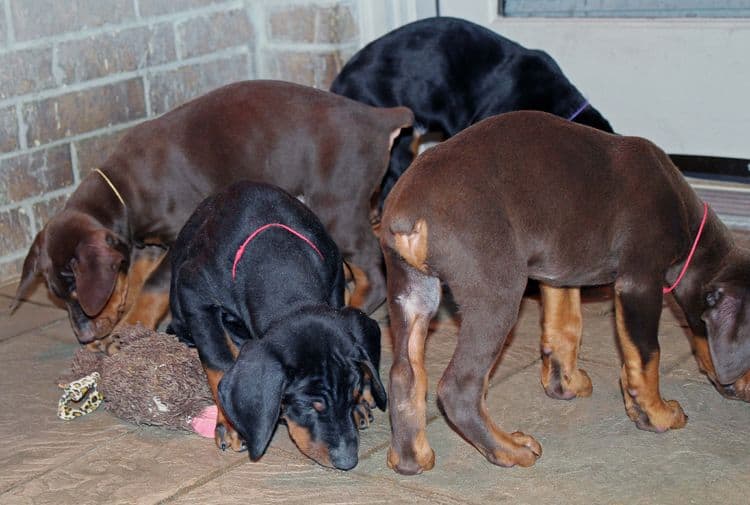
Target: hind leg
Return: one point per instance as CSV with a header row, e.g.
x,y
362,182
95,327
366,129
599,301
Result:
x,y
413,299
487,320
561,338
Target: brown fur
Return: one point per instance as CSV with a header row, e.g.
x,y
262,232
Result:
x,y
527,195
328,149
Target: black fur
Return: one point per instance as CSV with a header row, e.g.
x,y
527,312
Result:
x,y
453,73
298,346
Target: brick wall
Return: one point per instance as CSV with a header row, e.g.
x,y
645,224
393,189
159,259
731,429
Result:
x,y
75,74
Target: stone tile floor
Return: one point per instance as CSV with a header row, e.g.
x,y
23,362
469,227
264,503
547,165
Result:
x,y
592,452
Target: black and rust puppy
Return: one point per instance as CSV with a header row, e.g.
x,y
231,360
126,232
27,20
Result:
x,y
452,73
528,195
258,287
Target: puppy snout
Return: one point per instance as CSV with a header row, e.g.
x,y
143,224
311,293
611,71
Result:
x,y
344,459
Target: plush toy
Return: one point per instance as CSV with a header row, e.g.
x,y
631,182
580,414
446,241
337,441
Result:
x,y
154,379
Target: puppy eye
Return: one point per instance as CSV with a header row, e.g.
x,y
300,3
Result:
x,y
319,406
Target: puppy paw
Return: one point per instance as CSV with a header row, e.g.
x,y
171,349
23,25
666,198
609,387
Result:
x,y
408,466
524,450
227,438
564,386
667,416
363,415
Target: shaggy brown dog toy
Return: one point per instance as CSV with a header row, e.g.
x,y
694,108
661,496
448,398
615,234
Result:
x,y
154,379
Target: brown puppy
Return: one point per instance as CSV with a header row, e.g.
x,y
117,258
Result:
x,y
529,195
329,150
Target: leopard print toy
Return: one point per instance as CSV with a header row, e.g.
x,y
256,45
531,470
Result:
x,y
76,391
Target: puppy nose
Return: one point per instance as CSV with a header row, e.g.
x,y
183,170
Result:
x,y
344,461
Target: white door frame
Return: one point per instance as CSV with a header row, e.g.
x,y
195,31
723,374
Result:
x,y
683,83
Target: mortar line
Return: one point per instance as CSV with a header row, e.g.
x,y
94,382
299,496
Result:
x,y
97,82
109,27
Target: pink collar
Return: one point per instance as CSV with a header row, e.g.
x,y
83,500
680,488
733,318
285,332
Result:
x,y
692,250
254,234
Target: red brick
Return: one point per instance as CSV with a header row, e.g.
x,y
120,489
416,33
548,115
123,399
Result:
x,y
14,231
35,173
310,23
8,130
336,24
214,32
43,211
156,7
112,53
93,151
292,24
311,69
83,111
169,89
33,19
25,71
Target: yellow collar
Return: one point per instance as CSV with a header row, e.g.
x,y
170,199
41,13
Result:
x,y
109,183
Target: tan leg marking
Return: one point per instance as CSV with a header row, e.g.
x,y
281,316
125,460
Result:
x,y
146,308
225,434
412,246
415,407
361,282
561,339
640,385
303,440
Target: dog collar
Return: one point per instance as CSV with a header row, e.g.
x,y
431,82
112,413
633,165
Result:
x,y
112,186
578,110
241,250
692,250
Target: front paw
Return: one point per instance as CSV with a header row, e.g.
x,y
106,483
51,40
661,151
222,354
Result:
x,y
422,462
227,438
363,415
562,386
666,416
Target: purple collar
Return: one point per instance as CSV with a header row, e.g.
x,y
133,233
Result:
x,y
579,110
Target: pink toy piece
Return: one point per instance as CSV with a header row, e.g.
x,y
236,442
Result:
x,y
204,423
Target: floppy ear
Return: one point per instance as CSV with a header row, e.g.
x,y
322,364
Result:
x,y
31,270
376,385
366,334
250,394
727,321
95,267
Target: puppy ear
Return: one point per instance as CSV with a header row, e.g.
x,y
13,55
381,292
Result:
x,y
376,385
366,334
31,270
95,266
727,319
250,394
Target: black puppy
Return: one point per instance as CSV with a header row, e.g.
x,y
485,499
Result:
x,y
258,287
452,73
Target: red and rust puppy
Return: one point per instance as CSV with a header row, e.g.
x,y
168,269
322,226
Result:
x,y
258,287
330,150
528,195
